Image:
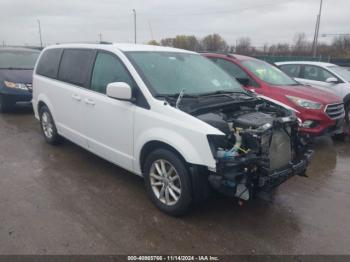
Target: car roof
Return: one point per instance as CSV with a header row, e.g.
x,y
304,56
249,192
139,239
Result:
x,y
18,49
322,64
122,47
229,55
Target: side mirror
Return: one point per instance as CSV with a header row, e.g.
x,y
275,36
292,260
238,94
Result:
x,y
332,80
120,91
243,81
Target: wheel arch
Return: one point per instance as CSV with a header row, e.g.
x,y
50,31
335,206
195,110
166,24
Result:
x,y
40,105
153,145
43,100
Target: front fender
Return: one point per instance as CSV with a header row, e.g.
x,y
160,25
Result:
x,y
194,149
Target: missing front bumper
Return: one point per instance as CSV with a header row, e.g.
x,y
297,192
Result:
x,y
244,180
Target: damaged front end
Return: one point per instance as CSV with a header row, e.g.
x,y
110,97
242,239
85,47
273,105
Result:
x,y
260,150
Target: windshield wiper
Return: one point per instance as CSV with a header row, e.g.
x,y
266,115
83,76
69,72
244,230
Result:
x,y
223,92
179,98
176,95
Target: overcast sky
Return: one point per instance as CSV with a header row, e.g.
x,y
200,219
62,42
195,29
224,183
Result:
x,y
264,21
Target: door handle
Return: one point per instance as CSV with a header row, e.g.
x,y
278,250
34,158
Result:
x,y
76,97
89,101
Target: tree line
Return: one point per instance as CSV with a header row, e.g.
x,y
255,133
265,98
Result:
x,y
301,46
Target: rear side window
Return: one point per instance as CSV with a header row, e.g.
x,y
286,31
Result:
x,y
291,70
108,69
76,66
316,73
49,63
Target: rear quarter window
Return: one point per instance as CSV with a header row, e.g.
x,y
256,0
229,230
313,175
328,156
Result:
x,y
49,63
76,66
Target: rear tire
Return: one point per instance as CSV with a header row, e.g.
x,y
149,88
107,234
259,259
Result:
x,y
5,105
167,182
48,126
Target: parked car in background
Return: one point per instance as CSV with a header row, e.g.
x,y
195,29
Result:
x,y
326,76
320,112
169,115
16,70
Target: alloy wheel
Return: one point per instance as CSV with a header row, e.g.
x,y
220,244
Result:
x,y
47,124
165,182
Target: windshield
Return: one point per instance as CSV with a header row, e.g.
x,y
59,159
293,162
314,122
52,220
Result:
x,y
343,72
268,73
18,59
167,73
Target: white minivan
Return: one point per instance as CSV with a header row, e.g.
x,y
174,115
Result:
x,y
169,115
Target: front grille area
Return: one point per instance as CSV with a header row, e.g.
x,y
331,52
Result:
x,y
335,111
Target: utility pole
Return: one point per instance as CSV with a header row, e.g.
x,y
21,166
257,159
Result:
x,y
317,30
134,11
41,40
100,36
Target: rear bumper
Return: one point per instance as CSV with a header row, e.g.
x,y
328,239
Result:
x,y
246,179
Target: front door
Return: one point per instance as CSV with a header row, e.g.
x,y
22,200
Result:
x,y
109,122
315,76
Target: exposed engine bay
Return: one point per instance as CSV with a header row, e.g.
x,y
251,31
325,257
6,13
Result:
x,y
260,148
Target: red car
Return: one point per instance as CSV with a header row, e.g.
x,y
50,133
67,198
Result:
x,y
320,112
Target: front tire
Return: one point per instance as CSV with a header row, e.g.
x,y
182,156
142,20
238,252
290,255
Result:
x,y
48,126
167,182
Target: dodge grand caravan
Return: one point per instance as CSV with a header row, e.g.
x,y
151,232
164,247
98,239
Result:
x,y
169,115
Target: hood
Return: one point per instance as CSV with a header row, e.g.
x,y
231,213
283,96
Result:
x,y
17,76
309,93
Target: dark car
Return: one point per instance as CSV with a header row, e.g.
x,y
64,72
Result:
x,y
16,69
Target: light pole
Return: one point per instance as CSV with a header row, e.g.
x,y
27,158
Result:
x,y
317,30
100,36
41,40
134,11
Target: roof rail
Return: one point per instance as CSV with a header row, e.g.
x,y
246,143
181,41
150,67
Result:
x,y
87,43
219,53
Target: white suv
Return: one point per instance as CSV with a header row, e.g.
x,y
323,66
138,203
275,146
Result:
x,y
169,115
325,76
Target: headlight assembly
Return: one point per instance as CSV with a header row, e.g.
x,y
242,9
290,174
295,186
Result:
x,y
21,86
305,103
